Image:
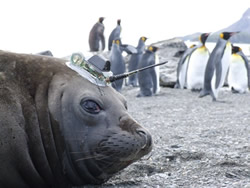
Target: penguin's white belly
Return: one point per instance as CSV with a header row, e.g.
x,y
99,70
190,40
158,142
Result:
x,y
157,70
183,72
196,68
100,45
237,76
225,61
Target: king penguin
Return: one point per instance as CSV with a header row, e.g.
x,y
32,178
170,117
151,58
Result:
x,y
197,65
134,60
117,63
217,66
148,79
239,73
115,34
96,36
182,67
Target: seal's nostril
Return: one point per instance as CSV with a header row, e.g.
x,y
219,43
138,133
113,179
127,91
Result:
x,y
141,133
144,136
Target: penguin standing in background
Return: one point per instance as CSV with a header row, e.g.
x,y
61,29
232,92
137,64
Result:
x,y
96,37
181,81
117,63
148,79
239,73
197,65
115,34
217,66
134,60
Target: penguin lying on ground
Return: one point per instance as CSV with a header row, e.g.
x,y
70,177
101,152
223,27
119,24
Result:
x,y
197,65
96,36
134,60
46,53
181,81
217,66
239,73
148,79
115,34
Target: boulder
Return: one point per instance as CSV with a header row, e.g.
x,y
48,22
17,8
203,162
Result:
x,y
169,50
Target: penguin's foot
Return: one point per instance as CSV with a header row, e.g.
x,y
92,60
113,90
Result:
x,y
233,90
196,89
203,94
139,95
177,86
220,101
142,95
238,91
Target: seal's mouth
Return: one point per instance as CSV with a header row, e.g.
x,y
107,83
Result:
x,y
112,154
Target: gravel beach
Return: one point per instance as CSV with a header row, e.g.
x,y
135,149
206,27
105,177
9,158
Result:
x,y
197,142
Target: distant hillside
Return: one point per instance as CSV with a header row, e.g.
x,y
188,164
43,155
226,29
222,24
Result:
x,y
192,37
242,25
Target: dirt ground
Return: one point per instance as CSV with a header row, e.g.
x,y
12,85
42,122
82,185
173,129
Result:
x,y
197,142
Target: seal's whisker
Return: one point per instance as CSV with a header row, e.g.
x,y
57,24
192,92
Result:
x,y
97,157
77,152
91,157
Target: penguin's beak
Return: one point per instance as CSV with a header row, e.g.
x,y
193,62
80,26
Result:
x,y
233,33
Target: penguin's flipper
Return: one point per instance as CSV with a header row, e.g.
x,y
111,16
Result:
x,y
218,75
128,48
154,80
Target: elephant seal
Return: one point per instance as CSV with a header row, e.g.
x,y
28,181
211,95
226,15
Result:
x,y
57,129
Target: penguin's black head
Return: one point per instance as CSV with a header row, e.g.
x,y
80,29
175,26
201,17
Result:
x,y
119,22
152,48
101,19
235,49
144,39
203,37
227,35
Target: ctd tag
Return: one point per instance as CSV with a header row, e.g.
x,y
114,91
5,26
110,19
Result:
x,y
95,69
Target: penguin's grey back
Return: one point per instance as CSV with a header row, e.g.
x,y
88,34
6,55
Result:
x,y
117,65
145,78
213,61
134,60
115,34
96,37
141,46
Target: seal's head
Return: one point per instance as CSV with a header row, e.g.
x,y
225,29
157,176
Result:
x,y
59,129
101,137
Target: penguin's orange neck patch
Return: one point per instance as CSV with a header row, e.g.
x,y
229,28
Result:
x,y
236,56
150,48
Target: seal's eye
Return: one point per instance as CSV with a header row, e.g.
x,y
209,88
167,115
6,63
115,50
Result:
x,y
90,106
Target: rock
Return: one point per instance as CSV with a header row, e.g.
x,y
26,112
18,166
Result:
x,y
170,50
